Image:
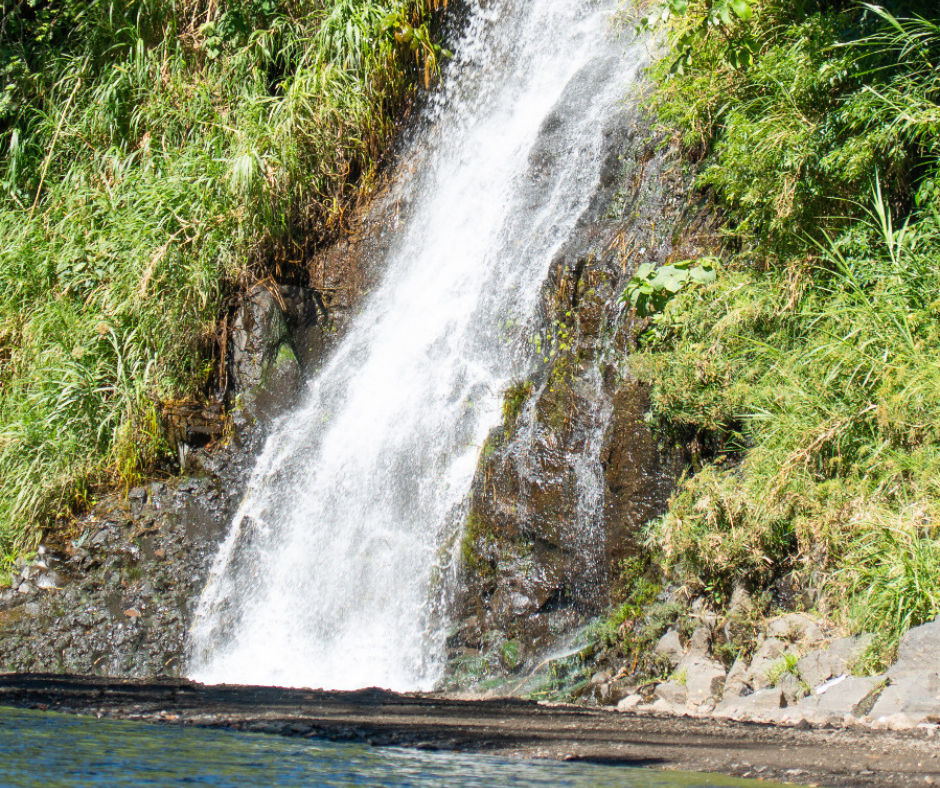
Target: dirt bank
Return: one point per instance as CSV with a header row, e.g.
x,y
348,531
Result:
x,y
804,755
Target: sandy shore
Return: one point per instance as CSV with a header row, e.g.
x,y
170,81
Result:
x,y
803,755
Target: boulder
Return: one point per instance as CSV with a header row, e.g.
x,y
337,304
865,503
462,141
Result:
x,y
770,652
663,706
792,687
850,695
672,692
761,704
700,643
670,647
741,602
918,652
629,703
257,332
736,684
895,722
276,339
276,391
618,690
704,679
844,652
916,695
815,668
795,627
306,317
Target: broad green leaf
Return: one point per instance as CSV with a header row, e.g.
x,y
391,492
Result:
x,y
742,8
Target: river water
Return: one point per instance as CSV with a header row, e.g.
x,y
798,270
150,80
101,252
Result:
x,y
46,750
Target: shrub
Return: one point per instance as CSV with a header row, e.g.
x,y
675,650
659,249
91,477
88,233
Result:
x,y
805,377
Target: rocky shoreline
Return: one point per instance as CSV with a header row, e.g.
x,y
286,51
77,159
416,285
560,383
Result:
x,y
797,676
834,755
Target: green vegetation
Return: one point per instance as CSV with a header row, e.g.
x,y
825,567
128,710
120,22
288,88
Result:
x,y
806,379
785,666
156,153
514,400
651,288
635,625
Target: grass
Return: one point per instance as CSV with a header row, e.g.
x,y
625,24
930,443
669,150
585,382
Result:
x,y
804,379
156,154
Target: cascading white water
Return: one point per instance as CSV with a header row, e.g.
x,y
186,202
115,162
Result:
x,y
336,565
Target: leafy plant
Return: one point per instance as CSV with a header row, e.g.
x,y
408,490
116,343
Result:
x,y
787,665
651,288
514,400
892,574
699,19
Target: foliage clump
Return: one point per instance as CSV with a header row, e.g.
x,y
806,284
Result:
x,y
805,377
154,154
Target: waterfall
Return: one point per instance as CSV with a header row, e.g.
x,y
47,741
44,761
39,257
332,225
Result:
x,y
337,567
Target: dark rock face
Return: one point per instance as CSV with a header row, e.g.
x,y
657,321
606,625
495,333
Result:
x,y
562,487
565,484
278,336
119,595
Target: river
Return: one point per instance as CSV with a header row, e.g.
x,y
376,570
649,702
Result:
x,y
48,750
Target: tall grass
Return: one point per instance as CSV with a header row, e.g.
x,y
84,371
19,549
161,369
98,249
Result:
x,y
155,153
807,377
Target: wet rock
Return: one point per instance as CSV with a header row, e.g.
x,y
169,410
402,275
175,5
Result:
x,y
275,392
96,608
918,652
49,580
277,337
614,691
526,528
603,694
257,333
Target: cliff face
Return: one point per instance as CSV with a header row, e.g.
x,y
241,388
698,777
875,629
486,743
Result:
x,y
562,489
566,483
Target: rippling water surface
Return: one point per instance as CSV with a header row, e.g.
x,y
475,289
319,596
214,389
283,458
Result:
x,y
43,750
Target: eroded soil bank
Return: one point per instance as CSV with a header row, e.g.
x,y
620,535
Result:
x,y
803,755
